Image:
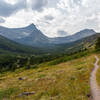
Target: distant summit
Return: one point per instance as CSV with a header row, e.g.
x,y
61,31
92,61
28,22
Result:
x,y
86,32
79,35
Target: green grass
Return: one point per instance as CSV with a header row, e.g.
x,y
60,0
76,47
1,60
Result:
x,y
98,72
7,93
65,81
68,58
98,76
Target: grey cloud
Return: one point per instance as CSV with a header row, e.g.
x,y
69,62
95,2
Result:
x,y
6,9
2,20
78,2
49,17
62,33
39,4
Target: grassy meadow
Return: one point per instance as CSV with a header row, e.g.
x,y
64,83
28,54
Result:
x,y
65,81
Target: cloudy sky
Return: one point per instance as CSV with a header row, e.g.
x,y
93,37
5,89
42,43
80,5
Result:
x,y
53,17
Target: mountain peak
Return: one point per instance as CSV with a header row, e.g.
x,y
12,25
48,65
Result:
x,y
31,26
86,31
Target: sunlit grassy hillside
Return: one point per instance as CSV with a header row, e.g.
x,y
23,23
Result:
x,y
65,81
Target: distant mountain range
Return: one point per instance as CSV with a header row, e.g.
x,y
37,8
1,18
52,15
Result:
x,y
31,40
31,36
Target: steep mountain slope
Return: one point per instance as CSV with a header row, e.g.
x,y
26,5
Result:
x,y
7,46
35,38
29,35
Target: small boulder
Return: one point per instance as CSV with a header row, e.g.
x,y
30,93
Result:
x,y
26,94
89,96
20,78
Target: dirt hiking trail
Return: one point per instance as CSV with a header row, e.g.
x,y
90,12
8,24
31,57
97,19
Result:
x,y
95,90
